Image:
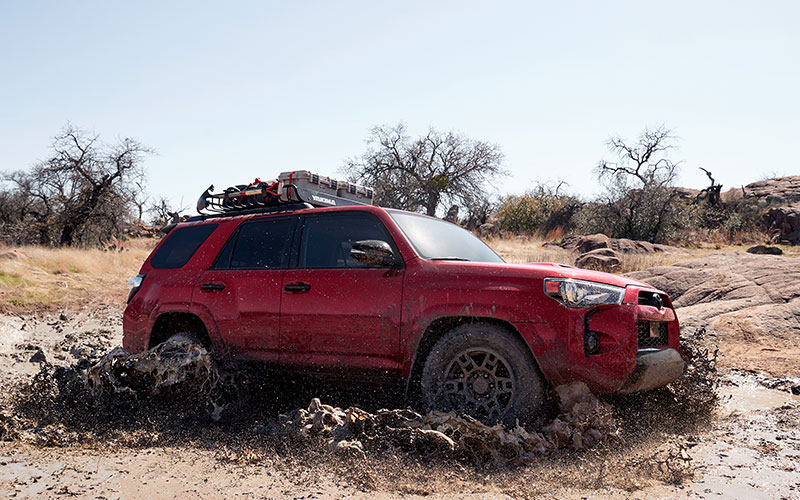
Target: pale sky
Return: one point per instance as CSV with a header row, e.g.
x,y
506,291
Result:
x,y
228,91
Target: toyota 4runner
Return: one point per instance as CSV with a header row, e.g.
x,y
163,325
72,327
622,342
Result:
x,y
342,285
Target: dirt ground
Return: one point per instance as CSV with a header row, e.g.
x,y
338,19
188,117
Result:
x,y
748,447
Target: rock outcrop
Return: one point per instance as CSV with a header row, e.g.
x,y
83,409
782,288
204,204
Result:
x,y
751,302
784,224
781,190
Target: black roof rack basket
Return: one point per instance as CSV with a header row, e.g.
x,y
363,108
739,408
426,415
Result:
x,y
261,196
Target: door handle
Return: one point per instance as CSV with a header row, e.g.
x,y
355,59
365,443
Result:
x,y
212,287
297,287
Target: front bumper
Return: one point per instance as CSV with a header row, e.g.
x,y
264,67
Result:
x,y
654,368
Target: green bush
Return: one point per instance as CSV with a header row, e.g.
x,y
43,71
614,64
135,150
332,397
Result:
x,y
539,210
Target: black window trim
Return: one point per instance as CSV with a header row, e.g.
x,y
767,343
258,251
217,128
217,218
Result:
x,y
294,260
233,240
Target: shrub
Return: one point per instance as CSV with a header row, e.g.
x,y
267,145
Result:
x,y
542,210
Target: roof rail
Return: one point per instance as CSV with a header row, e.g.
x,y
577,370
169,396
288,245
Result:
x,y
260,196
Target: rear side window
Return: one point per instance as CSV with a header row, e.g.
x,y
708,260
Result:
x,y
181,244
263,244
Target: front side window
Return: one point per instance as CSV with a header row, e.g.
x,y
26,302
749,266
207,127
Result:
x,y
260,244
328,239
435,239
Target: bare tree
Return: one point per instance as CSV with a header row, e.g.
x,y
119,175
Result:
x,y
162,212
428,172
640,201
83,192
712,193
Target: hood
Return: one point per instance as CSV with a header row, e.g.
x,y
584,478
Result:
x,y
553,270
564,271
538,270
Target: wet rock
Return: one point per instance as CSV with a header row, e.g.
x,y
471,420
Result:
x,y
764,250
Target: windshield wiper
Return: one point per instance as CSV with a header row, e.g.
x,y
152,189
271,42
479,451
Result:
x,y
451,258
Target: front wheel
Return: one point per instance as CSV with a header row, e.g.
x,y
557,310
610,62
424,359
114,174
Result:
x,y
484,371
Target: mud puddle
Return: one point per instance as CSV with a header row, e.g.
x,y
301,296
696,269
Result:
x,y
753,397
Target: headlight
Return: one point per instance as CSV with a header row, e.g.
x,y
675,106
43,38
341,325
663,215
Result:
x,y
582,294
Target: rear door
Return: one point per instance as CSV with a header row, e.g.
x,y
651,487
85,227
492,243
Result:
x,y
336,312
243,288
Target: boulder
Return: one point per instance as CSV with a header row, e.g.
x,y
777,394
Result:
x,y
583,244
593,242
599,259
765,250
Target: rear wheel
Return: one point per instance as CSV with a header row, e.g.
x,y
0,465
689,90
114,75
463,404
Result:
x,y
483,370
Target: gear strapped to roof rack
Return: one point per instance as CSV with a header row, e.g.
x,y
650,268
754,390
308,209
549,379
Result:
x,y
300,188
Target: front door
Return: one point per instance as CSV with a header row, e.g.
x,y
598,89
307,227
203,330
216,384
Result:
x,y
336,312
243,289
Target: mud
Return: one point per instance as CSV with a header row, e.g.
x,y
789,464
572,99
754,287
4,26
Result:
x,y
117,426
53,410
583,422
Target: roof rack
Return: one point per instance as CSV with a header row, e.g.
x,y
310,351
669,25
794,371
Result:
x,y
259,196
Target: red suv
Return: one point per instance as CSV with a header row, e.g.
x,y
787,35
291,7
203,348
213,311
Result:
x,y
378,292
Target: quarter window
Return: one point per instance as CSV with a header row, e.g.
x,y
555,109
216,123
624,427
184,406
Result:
x,y
180,245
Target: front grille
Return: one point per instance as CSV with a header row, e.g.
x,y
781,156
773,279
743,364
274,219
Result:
x,y
646,337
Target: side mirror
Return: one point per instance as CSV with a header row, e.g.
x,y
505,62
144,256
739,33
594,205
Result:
x,y
373,253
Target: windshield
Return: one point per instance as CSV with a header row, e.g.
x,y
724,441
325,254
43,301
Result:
x,y
435,239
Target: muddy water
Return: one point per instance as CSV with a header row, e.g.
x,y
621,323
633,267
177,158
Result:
x,y
757,455
751,397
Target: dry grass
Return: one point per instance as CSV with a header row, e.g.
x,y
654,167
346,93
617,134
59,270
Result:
x,y
38,279
524,250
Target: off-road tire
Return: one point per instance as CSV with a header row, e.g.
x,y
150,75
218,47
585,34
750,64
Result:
x,y
483,370
187,337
